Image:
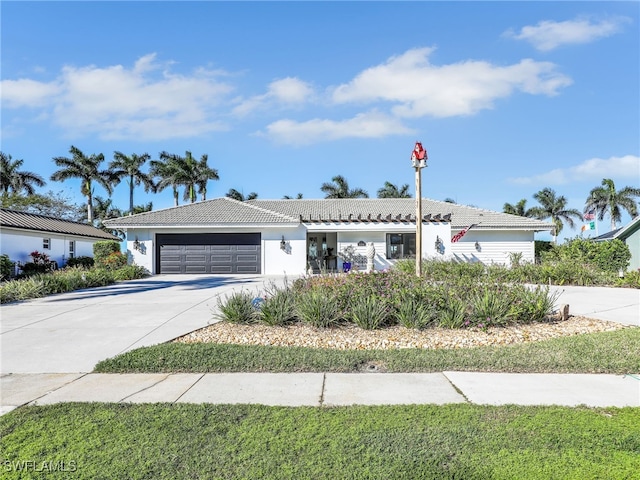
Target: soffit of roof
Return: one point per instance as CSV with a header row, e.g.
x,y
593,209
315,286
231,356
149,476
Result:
x,y
42,223
628,229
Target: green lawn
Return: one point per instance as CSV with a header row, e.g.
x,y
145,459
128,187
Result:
x,y
160,441
609,352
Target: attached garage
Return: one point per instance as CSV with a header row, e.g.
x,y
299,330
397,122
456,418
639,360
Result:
x,y
213,253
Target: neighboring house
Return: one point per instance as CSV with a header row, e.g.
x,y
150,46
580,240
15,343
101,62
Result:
x,y
275,237
629,234
22,233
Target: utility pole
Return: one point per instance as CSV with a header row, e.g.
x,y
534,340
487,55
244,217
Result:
x,y
419,161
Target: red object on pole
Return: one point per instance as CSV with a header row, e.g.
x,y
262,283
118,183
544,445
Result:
x,y
419,153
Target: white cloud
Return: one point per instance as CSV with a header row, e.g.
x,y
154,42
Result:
x,y
418,88
592,169
364,125
117,102
27,93
548,35
287,92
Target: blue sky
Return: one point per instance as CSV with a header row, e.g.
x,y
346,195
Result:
x,y
507,97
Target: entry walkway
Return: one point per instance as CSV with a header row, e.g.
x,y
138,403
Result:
x,y
324,389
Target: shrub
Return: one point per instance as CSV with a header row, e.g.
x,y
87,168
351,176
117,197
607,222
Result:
x,y
82,261
317,308
278,308
412,313
237,308
113,261
454,313
490,307
630,279
41,263
130,272
367,312
6,267
610,256
531,304
102,250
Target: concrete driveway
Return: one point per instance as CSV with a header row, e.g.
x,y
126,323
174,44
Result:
x,y
73,331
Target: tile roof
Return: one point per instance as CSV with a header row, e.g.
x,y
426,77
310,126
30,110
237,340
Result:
x,y
218,211
227,211
42,223
461,215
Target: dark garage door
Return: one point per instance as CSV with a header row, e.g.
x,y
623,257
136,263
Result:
x,y
231,253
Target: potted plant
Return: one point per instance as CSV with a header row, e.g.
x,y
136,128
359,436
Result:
x,y
347,254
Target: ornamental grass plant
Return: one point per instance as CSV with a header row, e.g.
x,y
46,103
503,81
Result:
x,y
375,300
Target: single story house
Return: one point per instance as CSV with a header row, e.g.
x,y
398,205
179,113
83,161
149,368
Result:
x,y
22,233
275,237
629,234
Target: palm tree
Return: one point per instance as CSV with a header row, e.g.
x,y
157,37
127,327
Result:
x,y
104,209
129,166
606,200
143,208
297,197
87,169
554,207
340,189
519,209
11,178
392,191
236,195
204,173
168,172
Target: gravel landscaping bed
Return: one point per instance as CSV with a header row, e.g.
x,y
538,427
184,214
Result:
x,y
395,337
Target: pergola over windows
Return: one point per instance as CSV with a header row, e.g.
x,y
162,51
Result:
x,y
401,245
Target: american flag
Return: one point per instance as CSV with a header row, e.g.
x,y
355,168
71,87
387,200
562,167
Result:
x,y
590,215
462,233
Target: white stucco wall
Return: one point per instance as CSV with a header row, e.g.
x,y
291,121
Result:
x,y
19,244
352,234
275,261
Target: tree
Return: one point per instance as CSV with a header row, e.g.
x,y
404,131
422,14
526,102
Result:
x,y
392,191
128,166
607,200
186,171
519,209
50,204
87,169
449,200
554,207
297,197
236,195
204,173
16,180
167,170
104,209
340,189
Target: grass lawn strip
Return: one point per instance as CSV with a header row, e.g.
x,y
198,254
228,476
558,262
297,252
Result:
x,y
162,441
616,352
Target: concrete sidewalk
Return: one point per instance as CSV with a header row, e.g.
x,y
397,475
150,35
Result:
x,y
323,389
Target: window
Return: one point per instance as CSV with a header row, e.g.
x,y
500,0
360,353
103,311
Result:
x,y
72,249
46,244
401,245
